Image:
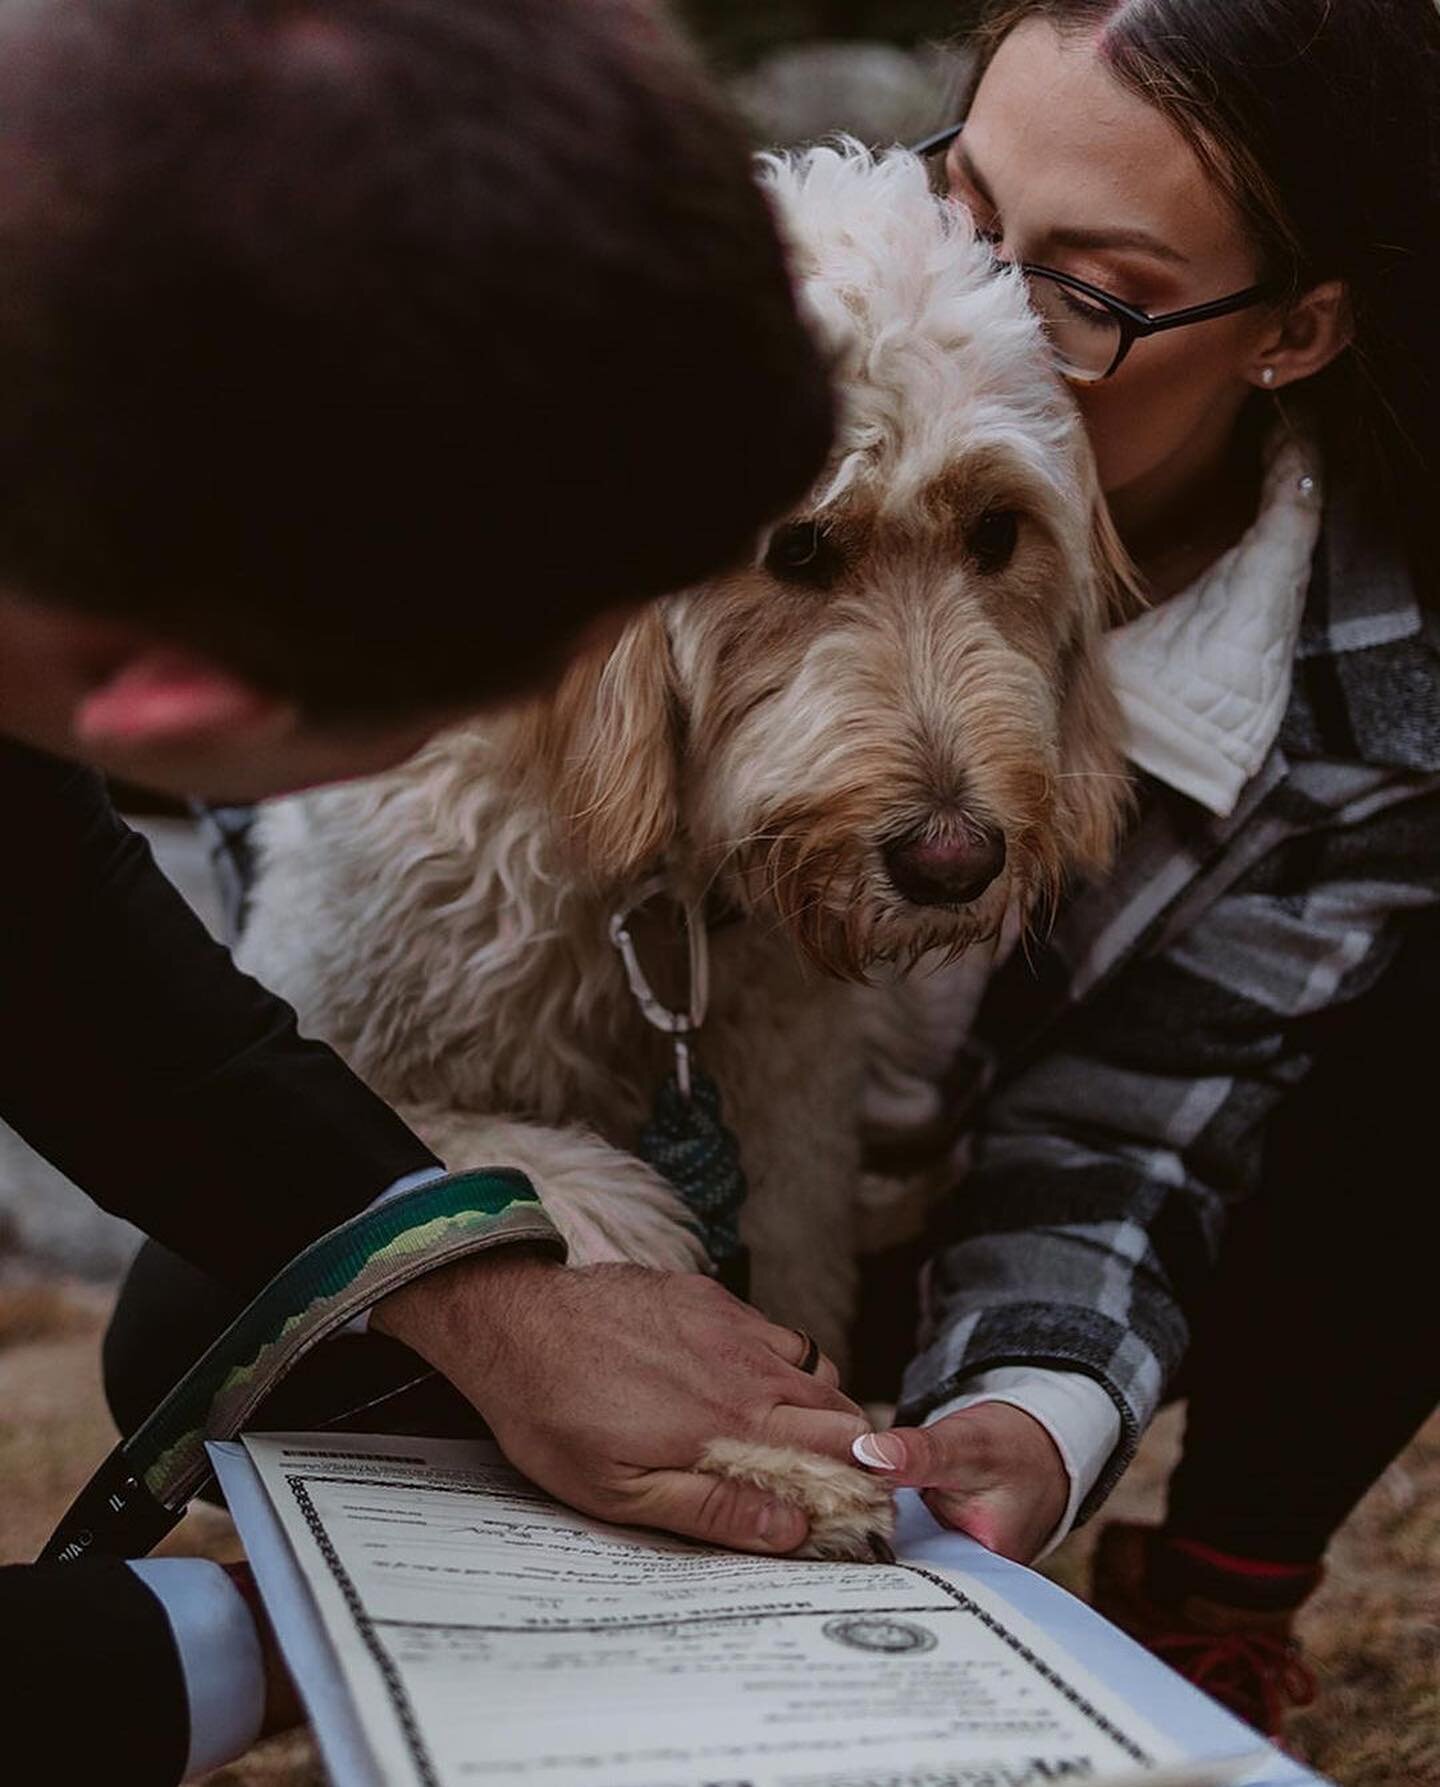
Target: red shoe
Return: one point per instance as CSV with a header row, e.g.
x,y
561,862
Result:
x,y
1245,1657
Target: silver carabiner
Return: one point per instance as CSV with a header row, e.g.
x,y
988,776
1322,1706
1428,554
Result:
x,y
680,1026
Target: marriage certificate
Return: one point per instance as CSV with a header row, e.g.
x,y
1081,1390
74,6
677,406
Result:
x,y
486,1635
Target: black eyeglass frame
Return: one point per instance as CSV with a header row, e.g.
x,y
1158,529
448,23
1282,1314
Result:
x,y
1134,324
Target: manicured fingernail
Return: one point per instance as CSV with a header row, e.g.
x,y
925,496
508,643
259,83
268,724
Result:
x,y
879,1451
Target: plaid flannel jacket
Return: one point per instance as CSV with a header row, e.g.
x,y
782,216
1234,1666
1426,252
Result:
x,y
1121,1076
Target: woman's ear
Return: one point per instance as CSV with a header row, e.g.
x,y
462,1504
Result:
x,y
605,748
1316,329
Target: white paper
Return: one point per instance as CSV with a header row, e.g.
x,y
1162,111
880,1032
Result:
x,y
486,1635
306,1645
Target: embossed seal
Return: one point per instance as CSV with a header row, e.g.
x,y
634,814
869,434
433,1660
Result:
x,y
881,1632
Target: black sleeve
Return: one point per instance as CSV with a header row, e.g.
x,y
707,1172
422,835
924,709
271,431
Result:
x,y
171,1087
92,1688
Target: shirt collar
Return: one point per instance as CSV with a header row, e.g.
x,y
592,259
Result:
x,y
1203,680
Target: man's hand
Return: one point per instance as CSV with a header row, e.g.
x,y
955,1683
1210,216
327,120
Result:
x,y
605,1383
991,1471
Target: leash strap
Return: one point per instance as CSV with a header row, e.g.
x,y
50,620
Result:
x,y
687,1140
142,1489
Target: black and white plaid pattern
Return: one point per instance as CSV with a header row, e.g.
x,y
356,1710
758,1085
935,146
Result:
x,y
1122,1076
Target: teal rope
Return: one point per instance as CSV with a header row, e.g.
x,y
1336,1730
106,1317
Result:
x,y
687,1141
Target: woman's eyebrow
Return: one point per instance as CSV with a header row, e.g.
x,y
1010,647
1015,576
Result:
x,y
1071,237
972,173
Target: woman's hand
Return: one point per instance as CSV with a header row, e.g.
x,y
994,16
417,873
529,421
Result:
x,y
605,1383
991,1471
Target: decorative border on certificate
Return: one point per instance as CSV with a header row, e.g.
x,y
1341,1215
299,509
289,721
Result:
x,y
1038,1664
405,1712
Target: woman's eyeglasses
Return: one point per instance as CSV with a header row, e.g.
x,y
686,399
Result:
x,y
1091,331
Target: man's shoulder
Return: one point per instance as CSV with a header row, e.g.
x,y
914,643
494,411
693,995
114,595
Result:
x,y
53,814
36,777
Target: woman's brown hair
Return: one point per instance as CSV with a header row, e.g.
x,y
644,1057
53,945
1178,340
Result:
x,y
1321,120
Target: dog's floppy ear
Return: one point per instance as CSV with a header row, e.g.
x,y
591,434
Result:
x,y
1095,796
1095,793
605,747
1118,594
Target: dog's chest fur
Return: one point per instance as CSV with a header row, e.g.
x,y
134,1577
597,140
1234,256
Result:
x,y
426,926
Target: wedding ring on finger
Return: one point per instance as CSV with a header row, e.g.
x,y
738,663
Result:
x,y
810,1360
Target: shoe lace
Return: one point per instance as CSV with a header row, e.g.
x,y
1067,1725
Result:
x,y
1258,1671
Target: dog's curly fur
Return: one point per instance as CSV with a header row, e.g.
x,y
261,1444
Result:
x,y
763,738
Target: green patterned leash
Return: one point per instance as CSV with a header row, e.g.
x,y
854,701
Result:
x,y
687,1140
142,1489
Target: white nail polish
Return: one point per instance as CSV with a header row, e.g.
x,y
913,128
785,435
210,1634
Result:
x,y
866,1452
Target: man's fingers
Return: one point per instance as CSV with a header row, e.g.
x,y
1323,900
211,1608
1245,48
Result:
x,y
717,1510
827,1372
796,1389
816,1430
796,1348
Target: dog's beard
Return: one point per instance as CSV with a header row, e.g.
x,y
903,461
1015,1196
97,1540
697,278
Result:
x,y
834,900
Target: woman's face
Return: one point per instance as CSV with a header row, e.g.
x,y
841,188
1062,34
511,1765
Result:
x,y
1068,168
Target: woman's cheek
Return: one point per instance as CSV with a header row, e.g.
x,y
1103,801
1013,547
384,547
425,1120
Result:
x,y
1119,433
1149,414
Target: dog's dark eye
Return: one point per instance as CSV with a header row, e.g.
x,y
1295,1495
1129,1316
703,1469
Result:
x,y
802,552
993,539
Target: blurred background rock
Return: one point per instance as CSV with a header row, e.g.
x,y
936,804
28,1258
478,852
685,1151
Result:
x,y
739,33
803,68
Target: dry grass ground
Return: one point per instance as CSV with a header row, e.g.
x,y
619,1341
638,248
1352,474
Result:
x,y
1373,1633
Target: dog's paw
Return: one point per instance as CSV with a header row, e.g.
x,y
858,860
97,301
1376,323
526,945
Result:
x,y
851,1515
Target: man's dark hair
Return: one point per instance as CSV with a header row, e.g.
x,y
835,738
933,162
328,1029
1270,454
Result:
x,y
376,346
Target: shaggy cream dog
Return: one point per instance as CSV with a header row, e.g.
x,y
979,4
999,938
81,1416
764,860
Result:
x,y
877,741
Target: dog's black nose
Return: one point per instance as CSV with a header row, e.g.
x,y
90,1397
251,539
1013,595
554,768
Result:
x,y
949,868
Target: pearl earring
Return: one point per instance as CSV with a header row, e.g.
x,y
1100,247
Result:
x,y
1267,377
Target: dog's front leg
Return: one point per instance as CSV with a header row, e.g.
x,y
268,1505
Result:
x,y
787,1054
788,1061
608,1205
612,1207
851,1515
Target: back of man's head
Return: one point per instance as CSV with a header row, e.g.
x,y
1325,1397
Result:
x,y
375,346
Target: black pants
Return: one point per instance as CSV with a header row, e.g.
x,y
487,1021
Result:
x,y
1319,1353
1317,1360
